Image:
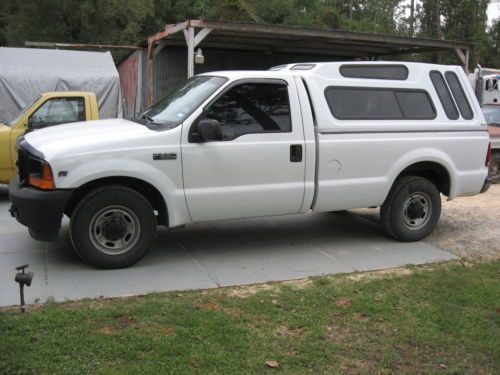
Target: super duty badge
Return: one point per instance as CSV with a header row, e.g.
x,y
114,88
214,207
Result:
x,y
165,156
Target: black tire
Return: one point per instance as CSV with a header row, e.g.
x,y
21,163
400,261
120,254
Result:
x,y
411,210
494,169
113,227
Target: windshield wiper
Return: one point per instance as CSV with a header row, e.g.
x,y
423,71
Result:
x,y
147,118
143,119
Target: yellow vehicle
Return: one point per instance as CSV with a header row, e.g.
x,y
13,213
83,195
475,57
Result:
x,y
52,108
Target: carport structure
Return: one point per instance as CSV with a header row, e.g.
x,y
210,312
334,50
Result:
x,y
337,44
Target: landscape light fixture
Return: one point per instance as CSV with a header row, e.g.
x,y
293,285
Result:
x,y
23,279
198,57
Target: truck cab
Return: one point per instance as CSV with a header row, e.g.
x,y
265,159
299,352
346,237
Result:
x,y
49,109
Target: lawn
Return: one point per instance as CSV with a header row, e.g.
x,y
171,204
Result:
x,y
442,319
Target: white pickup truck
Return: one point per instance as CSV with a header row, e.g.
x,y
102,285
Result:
x,y
238,144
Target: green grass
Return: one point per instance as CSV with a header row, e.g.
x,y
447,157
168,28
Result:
x,y
442,319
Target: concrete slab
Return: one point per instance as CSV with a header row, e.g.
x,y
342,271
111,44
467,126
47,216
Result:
x,y
166,267
18,240
207,255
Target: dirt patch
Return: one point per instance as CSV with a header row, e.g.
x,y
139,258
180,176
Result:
x,y
379,274
342,302
297,284
121,324
166,330
210,306
342,335
107,330
288,331
358,366
470,226
248,290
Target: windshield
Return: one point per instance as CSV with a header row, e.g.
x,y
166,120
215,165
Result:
x,y
492,114
183,100
16,117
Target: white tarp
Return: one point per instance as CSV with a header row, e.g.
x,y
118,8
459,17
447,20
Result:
x,y
25,73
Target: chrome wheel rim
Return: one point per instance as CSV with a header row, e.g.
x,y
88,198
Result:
x,y
417,210
114,230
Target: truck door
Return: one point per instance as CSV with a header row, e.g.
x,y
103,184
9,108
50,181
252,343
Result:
x,y
257,168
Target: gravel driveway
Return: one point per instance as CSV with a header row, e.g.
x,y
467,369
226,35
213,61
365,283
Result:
x,y
469,226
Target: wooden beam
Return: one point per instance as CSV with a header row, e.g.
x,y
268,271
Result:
x,y
202,34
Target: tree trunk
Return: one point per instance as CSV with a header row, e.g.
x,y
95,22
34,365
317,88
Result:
x,y
437,15
350,16
412,17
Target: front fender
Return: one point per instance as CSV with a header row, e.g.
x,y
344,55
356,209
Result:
x,y
166,178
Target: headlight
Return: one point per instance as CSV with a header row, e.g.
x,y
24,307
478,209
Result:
x,y
43,179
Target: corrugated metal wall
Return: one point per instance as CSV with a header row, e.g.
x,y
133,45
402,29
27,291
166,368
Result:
x,y
169,69
133,82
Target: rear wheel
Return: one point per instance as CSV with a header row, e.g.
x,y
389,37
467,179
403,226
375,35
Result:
x,y
113,227
412,209
494,169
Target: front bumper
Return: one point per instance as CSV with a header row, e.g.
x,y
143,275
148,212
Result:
x,y
40,210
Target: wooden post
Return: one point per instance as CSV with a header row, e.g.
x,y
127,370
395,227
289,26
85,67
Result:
x,y
189,35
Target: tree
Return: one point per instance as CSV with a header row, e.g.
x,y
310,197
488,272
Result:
x,y
3,41
490,53
76,21
466,20
430,19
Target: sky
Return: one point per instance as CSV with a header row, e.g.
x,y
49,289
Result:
x,y
493,11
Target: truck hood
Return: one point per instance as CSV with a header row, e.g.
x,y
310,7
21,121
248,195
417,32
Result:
x,y
88,137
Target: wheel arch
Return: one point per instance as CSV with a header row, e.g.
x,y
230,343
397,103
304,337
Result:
x,y
434,171
150,192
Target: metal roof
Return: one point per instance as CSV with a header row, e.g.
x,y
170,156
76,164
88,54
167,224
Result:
x,y
280,39
293,39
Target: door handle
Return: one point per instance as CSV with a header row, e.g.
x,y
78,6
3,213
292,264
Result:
x,y
295,153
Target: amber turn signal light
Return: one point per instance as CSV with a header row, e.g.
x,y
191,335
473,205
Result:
x,y
45,180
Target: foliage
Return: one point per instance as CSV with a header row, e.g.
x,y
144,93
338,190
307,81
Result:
x,y
434,319
131,21
75,21
491,51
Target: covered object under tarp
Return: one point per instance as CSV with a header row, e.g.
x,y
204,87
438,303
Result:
x,y
25,73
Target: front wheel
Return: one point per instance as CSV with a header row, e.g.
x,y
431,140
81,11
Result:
x,y
113,227
412,209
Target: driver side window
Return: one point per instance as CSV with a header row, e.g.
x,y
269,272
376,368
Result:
x,y
58,111
252,108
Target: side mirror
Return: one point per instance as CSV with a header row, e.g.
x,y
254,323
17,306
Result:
x,y
34,123
29,124
210,130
